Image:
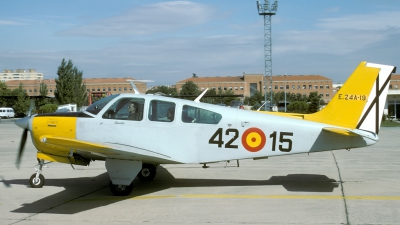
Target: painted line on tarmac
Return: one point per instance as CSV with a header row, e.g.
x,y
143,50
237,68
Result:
x,y
227,196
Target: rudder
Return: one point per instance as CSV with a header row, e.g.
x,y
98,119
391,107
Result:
x,y
360,101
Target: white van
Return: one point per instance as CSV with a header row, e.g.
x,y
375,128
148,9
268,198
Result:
x,y
7,112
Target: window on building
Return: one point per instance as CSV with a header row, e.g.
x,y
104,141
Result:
x,y
219,87
390,87
321,95
253,89
327,95
115,89
396,86
315,86
230,88
224,88
236,88
125,89
98,89
51,90
276,87
281,87
309,86
293,86
321,86
30,90
109,89
298,87
93,89
119,89
104,89
241,88
287,86
304,86
327,86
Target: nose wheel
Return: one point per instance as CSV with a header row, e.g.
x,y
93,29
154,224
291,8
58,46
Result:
x,y
36,182
37,179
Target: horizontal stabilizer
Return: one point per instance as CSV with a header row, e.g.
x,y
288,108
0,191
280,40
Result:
x,y
352,133
340,131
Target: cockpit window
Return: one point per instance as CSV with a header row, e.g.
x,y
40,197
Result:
x,y
162,111
191,114
96,107
126,109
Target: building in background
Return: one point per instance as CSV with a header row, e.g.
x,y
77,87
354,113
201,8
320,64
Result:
x,y
248,84
111,85
20,74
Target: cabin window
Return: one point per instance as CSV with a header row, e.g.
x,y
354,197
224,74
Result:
x,y
191,114
126,109
161,111
96,107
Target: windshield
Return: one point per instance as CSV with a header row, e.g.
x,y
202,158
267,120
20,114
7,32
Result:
x,y
99,105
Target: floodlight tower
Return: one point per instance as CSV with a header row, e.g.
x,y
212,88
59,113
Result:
x,y
267,11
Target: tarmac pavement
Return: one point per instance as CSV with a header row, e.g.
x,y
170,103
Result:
x,y
360,186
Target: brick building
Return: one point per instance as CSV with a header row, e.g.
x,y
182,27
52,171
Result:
x,y
112,85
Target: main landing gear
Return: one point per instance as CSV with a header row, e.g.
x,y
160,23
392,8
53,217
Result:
x,y
37,179
147,173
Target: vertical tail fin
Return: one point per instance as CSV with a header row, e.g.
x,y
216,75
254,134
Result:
x,y
360,101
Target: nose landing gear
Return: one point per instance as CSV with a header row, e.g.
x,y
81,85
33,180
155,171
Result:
x,y
37,179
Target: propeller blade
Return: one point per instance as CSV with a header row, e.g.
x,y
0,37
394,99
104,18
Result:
x,y
21,147
31,106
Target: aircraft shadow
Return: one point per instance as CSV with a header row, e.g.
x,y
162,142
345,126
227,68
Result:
x,y
73,200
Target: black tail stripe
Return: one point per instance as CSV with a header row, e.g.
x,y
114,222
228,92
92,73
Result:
x,y
376,99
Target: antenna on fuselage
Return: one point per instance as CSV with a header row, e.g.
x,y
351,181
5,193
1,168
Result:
x,y
201,95
134,87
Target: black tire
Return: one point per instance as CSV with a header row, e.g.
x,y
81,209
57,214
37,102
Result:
x,y
147,173
121,190
39,183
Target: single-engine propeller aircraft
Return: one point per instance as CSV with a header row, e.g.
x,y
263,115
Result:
x,y
134,133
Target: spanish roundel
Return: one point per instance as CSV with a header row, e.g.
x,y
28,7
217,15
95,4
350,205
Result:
x,y
253,139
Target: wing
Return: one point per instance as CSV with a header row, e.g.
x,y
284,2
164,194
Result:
x,y
91,150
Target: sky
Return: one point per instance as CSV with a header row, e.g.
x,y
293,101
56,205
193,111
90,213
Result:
x,y
168,41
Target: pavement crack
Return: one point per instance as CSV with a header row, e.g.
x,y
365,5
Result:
x,y
342,190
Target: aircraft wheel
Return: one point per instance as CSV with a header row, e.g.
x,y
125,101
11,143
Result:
x,y
36,183
147,173
121,190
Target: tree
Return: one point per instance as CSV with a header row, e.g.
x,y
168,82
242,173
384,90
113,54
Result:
x,y
163,89
69,86
298,107
4,101
48,108
189,88
314,100
255,100
80,88
21,106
